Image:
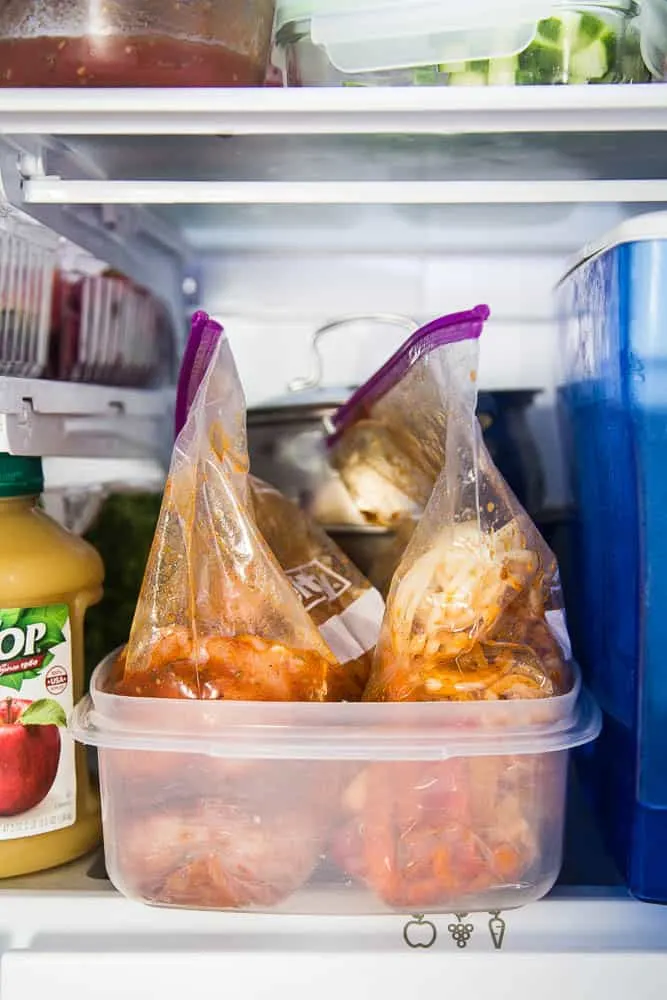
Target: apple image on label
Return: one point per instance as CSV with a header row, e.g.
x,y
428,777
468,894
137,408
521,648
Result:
x,y
29,752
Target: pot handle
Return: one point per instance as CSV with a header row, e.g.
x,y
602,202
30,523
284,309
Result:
x,y
313,380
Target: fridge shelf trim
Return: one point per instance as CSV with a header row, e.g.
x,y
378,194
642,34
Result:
x,y
274,111
56,191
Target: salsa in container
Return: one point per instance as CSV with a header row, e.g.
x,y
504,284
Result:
x,y
134,43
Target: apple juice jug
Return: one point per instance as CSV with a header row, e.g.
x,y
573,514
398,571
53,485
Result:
x,y
49,811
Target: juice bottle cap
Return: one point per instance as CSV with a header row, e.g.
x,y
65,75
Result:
x,y
20,476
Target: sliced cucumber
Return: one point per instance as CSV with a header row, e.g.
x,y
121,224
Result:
x,y
503,72
467,79
591,28
541,63
570,47
425,76
589,64
550,30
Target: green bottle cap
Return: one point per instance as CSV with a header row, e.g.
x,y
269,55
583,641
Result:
x,y
19,476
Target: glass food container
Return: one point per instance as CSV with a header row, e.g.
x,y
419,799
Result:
x,y
654,37
484,42
134,43
333,808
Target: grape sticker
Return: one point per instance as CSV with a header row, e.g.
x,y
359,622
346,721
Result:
x,y
37,764
460,931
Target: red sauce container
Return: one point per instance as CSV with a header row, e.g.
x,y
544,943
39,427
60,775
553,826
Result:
x,y
134,43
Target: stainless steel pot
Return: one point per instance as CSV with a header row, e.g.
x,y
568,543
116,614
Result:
x,y
286,439
370,547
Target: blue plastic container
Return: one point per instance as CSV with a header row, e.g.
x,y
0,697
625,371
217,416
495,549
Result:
x,y
614,314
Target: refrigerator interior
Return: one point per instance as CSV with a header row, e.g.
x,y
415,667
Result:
x,y
278,211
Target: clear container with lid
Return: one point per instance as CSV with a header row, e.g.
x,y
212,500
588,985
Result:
x,y
654,37
134,43
333,808
479,43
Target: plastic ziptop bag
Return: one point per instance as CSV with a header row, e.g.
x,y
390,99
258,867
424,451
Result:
x,y
345,607
474,613
475,608
216,615
388,441
217,618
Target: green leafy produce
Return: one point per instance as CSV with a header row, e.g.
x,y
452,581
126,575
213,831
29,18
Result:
x,y
122,534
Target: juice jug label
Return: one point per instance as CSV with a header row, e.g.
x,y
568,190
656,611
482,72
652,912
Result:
x,y
37,763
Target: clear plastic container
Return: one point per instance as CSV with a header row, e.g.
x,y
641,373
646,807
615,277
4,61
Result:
x,y
105,330
333,808
134,43
654,37
483,42
28,255
613,305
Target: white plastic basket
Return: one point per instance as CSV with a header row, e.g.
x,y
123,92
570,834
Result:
x,y
28,256
110,332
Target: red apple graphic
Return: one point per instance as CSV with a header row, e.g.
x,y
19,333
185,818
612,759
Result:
x,y
29,758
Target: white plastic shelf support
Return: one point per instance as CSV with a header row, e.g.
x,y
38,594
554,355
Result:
x,y
272,111
71,419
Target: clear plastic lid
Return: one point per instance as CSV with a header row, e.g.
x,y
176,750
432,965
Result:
x,y
384,34
334,731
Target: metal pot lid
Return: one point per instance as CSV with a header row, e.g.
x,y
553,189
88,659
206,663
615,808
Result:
x,y
306,397
299,407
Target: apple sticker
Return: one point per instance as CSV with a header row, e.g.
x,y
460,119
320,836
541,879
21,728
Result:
x,y
29,752
420,933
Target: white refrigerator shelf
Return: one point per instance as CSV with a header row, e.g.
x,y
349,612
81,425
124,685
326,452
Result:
x,y
253,111
71,933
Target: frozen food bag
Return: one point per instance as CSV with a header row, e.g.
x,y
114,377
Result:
x,y
388,439
475,609
216,616
346,608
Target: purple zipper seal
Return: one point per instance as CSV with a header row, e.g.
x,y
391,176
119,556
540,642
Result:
x,y
204,338
445,330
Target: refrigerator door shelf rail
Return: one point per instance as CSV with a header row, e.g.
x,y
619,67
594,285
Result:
x,y
71,419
